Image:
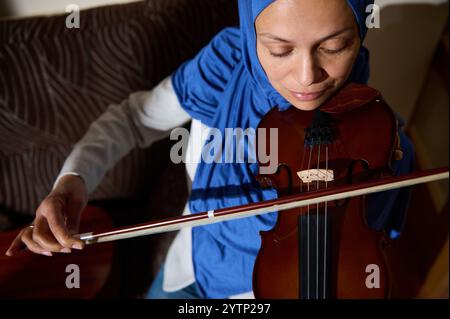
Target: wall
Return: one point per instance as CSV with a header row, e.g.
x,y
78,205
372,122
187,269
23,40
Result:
x,y
429,124
23,8
403,47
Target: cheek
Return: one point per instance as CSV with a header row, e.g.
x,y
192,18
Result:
x,y
339,68
274,68
278,72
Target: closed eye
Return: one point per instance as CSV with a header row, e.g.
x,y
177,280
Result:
x,y
327,51
281,55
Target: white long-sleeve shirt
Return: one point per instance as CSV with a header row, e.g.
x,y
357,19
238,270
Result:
x,y
140,120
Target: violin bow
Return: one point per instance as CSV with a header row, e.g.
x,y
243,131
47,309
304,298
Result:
x,y
263,207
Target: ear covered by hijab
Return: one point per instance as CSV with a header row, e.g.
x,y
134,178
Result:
x,y
249,11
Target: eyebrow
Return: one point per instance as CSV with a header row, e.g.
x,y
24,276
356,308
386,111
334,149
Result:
x,y
277,38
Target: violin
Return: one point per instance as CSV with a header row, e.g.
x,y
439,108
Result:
x,y
325,250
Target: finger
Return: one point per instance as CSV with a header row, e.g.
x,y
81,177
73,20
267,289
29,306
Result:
x,y
32,245
44,238
73,221
53,212
16,245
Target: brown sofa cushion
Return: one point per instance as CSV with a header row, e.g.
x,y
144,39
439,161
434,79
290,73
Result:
x,y
55,81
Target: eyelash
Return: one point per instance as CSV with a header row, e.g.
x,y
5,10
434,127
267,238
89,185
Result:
x,y
333,51
283,55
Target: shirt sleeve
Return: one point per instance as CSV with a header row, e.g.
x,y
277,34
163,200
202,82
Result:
x,y
143,118
200,82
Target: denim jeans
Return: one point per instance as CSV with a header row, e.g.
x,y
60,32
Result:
x,y
156,291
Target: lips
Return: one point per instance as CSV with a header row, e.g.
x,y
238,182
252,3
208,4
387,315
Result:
x,y
305,97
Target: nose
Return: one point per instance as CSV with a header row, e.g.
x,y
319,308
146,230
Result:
x,y
308,71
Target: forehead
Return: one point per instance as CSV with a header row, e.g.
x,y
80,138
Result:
x,y
299,18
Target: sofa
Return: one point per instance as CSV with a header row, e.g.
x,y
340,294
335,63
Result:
x,y
54,81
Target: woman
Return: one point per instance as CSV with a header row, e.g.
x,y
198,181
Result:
x,y
286,53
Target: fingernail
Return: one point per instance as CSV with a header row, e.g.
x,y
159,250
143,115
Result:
x,y
8,253
47,253
66,250
77,246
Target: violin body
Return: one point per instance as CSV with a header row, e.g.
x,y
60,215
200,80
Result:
x,y
327,250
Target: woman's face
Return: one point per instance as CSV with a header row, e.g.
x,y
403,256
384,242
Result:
x,y
307,48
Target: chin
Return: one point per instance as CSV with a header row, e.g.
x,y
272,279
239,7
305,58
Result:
x,y
307,106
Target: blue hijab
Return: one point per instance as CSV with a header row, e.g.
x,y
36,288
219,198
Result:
x,y
224,86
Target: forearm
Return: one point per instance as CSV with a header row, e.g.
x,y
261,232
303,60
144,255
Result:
x,y
140,120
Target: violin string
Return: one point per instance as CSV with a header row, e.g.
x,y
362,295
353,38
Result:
x,y
301,210
317,229
307,218
325,228
301,187
301,181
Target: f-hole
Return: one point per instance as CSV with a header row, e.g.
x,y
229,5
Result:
x,y
289,173
365,164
